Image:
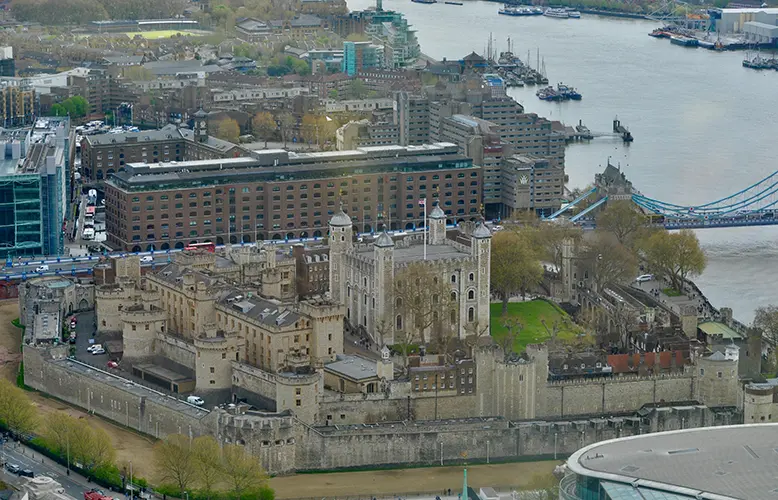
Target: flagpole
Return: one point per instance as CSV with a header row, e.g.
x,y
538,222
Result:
x,y
425,228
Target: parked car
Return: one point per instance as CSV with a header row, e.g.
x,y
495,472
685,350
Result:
x,y
42,269
112,364
12,468
26,473
146,259
93,347
644,277
195,400
98,351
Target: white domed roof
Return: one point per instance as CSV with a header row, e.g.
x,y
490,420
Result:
x,y
481,231
340,219
384,240
437,213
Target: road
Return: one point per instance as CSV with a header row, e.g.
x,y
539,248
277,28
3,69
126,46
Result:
x,y
26,458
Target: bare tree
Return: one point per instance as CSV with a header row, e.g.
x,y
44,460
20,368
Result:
x,y
609,261
624,319
475,331
420,296
513,326
766,319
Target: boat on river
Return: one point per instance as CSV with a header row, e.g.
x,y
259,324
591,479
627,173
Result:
x,y
557,13
684,41
508,10
573,14
424,1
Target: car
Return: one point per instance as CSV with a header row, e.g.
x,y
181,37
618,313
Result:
x,y
146,259
98,351
112,364
12,468
94,347
26,473
42,269
644,277
195,400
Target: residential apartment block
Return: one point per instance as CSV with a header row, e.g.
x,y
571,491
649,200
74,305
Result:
x,y
276,194
17,106
531,183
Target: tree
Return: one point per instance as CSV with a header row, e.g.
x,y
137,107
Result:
x,y
175,461
287,122
554,236
242,470
474,333
623,220
515,265
766,319
58,110
16,409
422,299
263,124
506,341
208,464
608,260
674,256
137,74
357,89
226,129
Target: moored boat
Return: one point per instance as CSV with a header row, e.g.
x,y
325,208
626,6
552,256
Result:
x,y
557,13
573,14
424,1
684,41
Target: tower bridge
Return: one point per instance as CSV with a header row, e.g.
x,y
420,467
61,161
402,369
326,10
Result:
x,y
755,205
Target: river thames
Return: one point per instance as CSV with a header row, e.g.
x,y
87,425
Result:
x,y
703,125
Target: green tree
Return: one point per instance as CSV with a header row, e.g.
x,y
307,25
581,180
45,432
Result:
x,y
58,110
766,319
241,470
226,129
623,220
674,256
515,264
263,124
176,461
357,89
208,464
16,409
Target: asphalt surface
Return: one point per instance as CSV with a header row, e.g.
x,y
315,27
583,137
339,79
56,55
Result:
x,y
27,458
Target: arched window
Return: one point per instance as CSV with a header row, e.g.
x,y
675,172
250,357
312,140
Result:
x,y
398,322
453,278
453,296
471,277
398,302
348,291
435,299
471,294
470,314
453,316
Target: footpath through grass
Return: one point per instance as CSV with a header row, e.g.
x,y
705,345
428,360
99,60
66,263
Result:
x,y
531,314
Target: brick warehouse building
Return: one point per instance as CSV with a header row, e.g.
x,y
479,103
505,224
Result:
x,y
276,194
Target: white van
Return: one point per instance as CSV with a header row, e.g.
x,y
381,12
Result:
x,y
195,400
42,269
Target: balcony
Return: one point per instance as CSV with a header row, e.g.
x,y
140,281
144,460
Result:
x,y
567,488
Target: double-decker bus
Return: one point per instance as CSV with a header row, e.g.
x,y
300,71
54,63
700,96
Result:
x,y
208,246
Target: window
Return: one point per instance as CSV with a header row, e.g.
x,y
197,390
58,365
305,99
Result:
x,y
471,277
453,278
470,314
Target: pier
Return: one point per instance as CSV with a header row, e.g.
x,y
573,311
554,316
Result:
x,y
623,131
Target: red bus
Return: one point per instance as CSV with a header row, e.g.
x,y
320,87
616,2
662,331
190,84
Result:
x,y
90,211
208,246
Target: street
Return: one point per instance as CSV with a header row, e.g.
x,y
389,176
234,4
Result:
x,y
27,458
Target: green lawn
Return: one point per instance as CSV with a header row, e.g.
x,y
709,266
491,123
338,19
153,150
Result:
x,y
671,292
156,35
530,315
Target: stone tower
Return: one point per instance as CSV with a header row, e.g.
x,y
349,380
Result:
x,y
385,367
717,379
481,248
437,222
200,126
384,276
341,234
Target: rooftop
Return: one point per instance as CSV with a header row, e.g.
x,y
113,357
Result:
x,y
355,368
727,462
716,328
269,312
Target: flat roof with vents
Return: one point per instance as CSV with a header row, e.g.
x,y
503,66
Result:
x,y
716,463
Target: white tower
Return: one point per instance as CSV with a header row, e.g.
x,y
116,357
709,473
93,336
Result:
x,y
341,234
437,222
481,246
383,318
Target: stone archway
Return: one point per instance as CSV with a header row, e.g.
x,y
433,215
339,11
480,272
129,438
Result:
x,y
409,225
83,305
246,238
150,247
219,240
304,234
180,245
289,236
165,246
233,239
276,236
136,248
317,234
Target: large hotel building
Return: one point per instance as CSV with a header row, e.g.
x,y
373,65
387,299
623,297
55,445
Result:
x,y
277,194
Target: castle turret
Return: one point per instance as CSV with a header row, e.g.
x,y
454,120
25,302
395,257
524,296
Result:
x,y
717,379
437,222
384,298
341,234
481,246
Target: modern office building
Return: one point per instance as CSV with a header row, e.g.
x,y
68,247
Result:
x,y
412,116
358,134
530,183
105,154
360,56
277,194
734,462
7,63
34,181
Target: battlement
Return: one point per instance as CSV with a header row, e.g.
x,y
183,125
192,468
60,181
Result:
x,y
137,314
416,426
620,379
293,379
114,291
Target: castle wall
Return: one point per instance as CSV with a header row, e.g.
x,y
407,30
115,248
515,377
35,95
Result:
x,y
176,350
614,395
110,396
